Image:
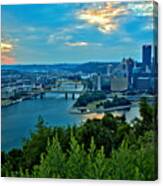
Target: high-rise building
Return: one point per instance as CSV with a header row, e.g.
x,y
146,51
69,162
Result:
x,y
155,59
119,78
130,65
146,56
109,70
155,54
98,82
119,83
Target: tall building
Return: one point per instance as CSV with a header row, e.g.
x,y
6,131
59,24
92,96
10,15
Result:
x,y
119,78
130,65
98,82
155,54
155,59
119,84
109,70
146,56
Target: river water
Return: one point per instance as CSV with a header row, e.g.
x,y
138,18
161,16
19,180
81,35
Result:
x,y
19,119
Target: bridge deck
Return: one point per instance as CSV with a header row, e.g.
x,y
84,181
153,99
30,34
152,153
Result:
x,y
59,91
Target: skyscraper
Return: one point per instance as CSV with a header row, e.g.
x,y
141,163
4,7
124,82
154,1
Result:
x,y
155,54
109,70
155,59
130,64
119,78
98,82
146,56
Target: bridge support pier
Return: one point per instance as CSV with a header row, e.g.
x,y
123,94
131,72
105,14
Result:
x,y
66,95
73,95
35,96
41,95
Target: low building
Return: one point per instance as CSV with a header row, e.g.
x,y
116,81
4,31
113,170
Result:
x,y
143,83
7,93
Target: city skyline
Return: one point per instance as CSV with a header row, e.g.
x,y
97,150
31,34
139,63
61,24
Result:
x,y
76,33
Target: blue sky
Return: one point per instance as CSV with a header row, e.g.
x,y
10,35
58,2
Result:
x,y
76,33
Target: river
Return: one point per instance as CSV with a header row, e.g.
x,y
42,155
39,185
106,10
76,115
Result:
x,y
19,119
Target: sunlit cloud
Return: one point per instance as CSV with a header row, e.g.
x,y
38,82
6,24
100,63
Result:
x,y
106,16
101,26
6,47
7,60
76,44
103,17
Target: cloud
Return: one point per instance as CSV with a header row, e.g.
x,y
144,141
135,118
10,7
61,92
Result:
x,y
143,8
106,16
103,17
7,60
65,34
80,27
6,49
33,37
127,39
149,27
77,44
31,29
96,44
54,38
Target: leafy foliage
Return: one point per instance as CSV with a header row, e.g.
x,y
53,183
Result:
x,y
99,149
114,103
89,97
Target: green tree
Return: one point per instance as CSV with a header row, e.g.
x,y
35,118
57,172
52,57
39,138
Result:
x,y
97,164
147,114
99,149
76,159
36,144
133,164
53,163
11,162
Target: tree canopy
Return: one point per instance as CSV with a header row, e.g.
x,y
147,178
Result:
x,y
109,148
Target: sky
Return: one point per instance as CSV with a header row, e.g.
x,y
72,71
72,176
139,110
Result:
x,y
76,32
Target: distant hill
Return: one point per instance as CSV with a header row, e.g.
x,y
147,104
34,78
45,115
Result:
x,y
89,67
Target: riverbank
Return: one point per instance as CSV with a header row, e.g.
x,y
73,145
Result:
x,y
8,102
86,110
111,104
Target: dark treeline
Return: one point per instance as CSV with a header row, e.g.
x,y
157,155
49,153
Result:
x,y
114,103
89,97
99,149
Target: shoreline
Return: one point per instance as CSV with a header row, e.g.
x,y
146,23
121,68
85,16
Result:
x,y
85,110
13,102
10,103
